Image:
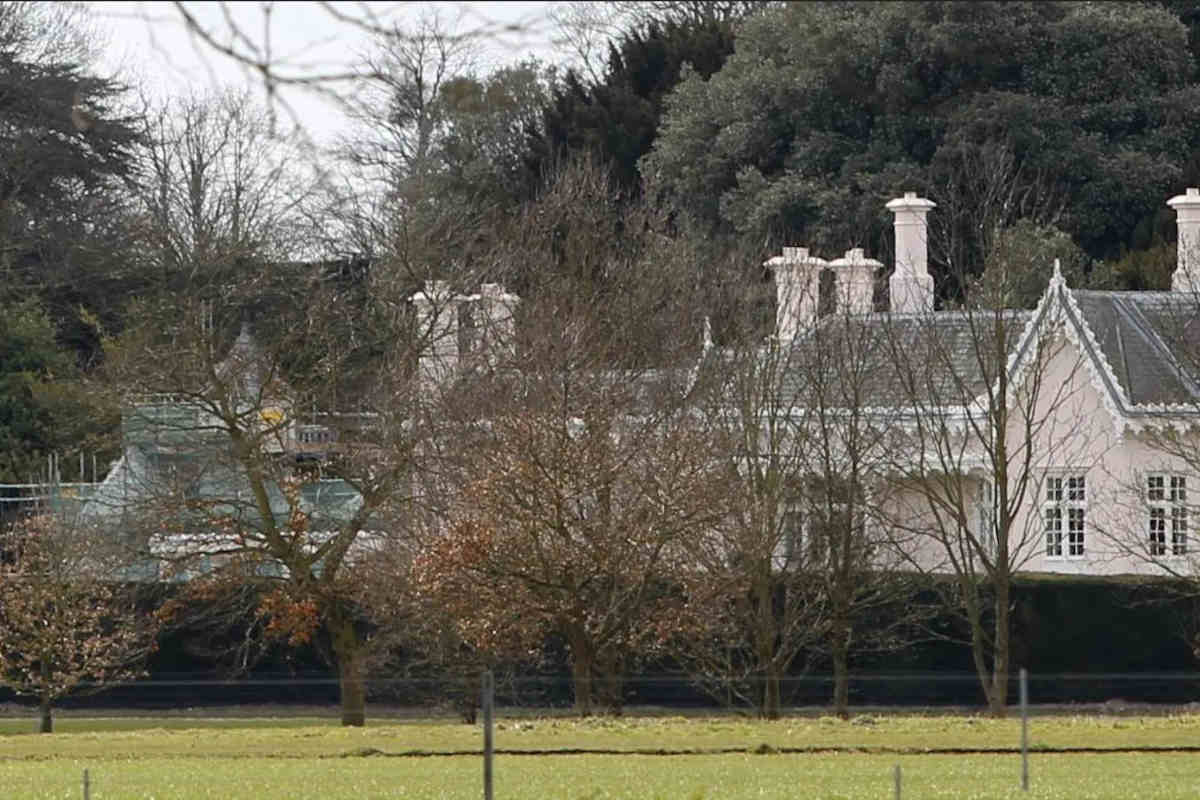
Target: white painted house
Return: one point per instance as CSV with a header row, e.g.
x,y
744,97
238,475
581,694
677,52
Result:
x,y
1104,453
1103,409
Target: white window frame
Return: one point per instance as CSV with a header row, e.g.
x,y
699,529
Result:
x,y
1166,500
1064,504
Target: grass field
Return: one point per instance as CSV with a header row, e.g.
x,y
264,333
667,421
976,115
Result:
x,y
308,758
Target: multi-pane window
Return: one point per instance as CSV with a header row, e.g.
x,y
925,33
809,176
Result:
x,y
1064,515
1166,496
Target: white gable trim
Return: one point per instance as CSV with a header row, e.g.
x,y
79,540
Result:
x,y
1057,305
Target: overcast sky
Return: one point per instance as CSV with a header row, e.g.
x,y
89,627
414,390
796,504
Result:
x,y
149,45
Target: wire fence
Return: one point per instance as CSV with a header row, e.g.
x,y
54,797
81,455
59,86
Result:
x,y
318,694
275,736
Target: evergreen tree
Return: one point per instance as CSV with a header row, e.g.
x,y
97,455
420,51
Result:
x,y
618,119
827,110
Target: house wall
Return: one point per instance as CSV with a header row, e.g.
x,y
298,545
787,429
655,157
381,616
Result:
x,y
1074,431
1079,433
923,536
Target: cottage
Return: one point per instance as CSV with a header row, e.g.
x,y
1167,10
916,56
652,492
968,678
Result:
x,y
1086,408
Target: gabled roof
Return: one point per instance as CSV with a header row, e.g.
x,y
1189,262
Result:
x,y
1142,350
1144,344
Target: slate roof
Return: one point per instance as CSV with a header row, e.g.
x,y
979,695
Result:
x,y
1145,347
938,352
1150,342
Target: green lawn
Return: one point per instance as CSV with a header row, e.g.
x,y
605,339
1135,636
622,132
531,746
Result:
x,y
297,758
313,738
728,777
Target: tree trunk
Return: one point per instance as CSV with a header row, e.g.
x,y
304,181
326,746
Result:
x,y
47,722
841,671
978,640
582,672
614,691
998,696
772,702
610,676
47,719
348,652
764,643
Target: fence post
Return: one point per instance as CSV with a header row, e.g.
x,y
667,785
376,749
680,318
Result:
x,y
1024,730
896,780
488,699
86,788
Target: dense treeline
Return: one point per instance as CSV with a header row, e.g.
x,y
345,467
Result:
x,y
825,110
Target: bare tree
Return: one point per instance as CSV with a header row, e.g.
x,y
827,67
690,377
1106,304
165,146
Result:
x,y
989,394
47,33
800,560
247,38
585,31
437,146
281,458
271,415
403,112
69,612
575,473
220,189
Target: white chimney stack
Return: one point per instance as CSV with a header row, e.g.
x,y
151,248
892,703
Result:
x,y
499,328
1187,218
797,285
855,281
437,331
911,285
